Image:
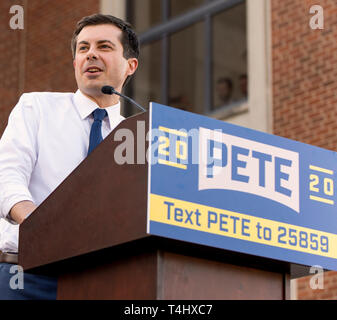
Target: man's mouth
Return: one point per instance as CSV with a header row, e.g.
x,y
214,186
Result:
x,y
93,70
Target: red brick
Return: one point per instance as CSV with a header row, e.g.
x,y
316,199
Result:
x,y
47,57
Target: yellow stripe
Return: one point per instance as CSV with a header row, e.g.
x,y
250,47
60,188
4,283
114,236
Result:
x,y
173,131
172,164
322,200
159,213
321,170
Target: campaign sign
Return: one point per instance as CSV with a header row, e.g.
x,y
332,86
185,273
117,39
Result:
x,y
225,186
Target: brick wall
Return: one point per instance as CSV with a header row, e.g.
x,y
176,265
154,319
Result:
x,y
328,291
38,58
305,89
304,73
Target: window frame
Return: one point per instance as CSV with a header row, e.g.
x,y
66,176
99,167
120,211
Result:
x,y
175,24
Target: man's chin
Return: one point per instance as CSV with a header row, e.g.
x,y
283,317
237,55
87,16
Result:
x,y
93,89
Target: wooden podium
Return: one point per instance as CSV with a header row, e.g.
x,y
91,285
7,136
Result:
x,y
91,233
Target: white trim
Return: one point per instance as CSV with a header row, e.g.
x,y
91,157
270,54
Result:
x,y
116,8
269,62
293,289
259,112
149,166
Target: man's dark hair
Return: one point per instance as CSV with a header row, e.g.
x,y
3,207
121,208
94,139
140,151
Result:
x,y
128,39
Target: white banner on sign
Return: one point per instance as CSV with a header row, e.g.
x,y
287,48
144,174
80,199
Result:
x,y
232,163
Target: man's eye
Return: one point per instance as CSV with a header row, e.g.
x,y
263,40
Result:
x,y
82,48
105,46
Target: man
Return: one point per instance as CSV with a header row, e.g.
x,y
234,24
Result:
x,y
224,89
243,82
49,134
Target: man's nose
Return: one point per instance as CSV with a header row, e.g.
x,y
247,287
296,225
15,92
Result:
x,y
91,55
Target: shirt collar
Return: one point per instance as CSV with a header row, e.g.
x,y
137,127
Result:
x,y
86,106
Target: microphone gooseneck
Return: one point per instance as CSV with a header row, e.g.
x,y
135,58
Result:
x,y
111,90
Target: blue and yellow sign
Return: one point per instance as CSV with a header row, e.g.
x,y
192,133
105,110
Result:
x,y
230,187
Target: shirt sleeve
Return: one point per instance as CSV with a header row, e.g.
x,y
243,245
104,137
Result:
x,y
9,242
18,154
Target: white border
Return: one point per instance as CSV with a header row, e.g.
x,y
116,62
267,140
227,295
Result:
x,y
149,161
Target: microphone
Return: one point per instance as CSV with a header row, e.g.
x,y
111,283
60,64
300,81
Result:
x,y
111,90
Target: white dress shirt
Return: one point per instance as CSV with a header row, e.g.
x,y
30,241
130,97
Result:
x,y
46,138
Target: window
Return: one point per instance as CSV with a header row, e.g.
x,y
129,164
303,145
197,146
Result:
x,y
147,79
178,7
186,68
193,53
144,14
229,57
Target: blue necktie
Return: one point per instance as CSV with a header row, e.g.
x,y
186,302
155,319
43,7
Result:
x,y
96,129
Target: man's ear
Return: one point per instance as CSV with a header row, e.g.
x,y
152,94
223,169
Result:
x,y
133,65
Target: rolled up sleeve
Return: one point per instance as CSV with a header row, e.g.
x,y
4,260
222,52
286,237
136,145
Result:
x,y
18,154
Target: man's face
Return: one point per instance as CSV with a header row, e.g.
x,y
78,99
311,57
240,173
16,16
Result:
x,y
223,90
99,59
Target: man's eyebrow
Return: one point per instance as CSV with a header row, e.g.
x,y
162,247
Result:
x,y
83,42
103,41
98,42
